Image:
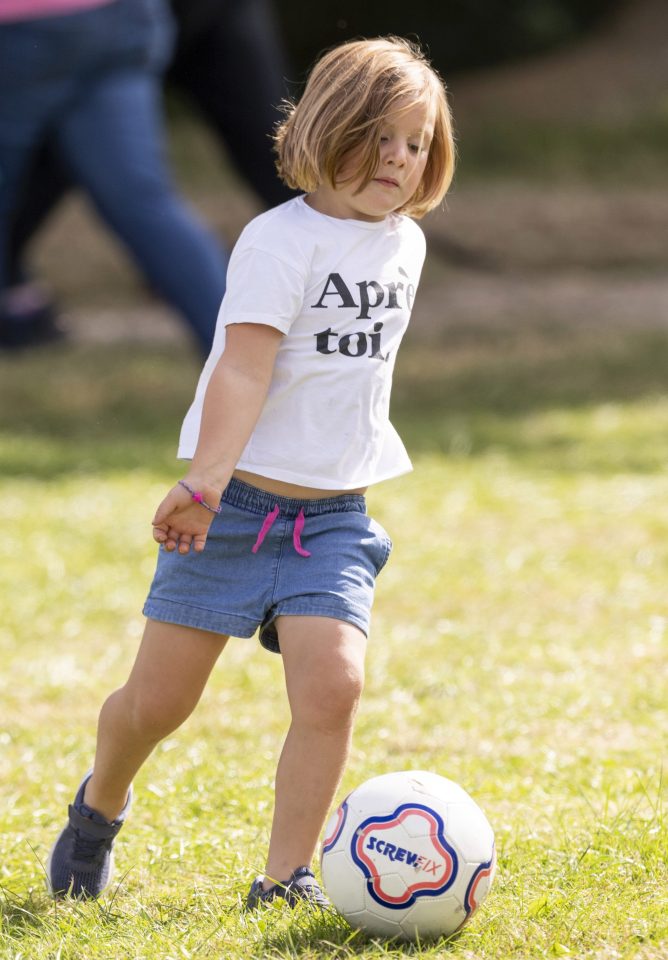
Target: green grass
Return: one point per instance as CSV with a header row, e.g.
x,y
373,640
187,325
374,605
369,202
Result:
x,y
632,150
519,647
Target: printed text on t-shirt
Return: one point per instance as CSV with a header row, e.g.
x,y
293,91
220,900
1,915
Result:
x,y
362,343
396,291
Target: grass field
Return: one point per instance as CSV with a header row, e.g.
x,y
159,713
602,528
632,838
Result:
x,y
519,647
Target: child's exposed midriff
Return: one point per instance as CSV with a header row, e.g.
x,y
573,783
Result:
x,y
292,490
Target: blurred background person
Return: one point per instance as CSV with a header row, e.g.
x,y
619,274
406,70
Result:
x,y
84,76
229,62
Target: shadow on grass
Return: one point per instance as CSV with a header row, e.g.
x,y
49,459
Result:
x,y
484,401
88,408
26,913
23,914
27,918
331,937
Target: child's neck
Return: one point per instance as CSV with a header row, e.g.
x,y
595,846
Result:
x,y
334,203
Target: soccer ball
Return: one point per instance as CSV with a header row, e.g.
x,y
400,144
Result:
x,y
408,855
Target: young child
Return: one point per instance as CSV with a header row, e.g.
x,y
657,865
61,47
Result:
x,y
288,428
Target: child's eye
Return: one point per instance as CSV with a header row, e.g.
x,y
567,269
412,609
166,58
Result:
x,y
414,147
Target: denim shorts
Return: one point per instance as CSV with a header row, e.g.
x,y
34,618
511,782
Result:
x,y
269,556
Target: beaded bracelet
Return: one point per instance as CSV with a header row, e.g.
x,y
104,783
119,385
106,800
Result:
x,y
198,497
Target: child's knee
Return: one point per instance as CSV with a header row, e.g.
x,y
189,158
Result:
x,y
331,704
153,714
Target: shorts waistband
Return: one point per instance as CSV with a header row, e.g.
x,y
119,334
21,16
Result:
x,y
246,497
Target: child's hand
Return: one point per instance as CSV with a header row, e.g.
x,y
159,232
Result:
x,y
180,522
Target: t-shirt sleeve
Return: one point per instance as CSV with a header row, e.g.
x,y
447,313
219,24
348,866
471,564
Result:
x,y
262,288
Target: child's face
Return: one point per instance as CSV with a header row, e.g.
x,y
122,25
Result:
x,y
404,150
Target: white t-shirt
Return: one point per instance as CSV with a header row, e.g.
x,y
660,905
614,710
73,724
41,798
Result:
x,y
341,292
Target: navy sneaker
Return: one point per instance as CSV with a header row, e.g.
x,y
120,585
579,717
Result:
x,y
29,329
299,888
81,862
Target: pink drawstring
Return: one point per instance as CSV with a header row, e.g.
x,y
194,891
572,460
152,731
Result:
x,y
266,527
297,533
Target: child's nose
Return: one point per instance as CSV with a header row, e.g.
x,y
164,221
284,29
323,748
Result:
x,y
396,153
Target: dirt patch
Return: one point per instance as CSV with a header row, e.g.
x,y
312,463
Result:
x,y
533,259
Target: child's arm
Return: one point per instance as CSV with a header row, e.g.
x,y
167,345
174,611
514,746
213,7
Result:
x,y
233,402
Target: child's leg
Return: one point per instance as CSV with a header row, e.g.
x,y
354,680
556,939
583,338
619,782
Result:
x,y
324,672
166,682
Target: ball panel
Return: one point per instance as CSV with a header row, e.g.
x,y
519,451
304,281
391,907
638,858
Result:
x,y
429,920
374,925
345,886
429,784
335,827
392,887
479,885
469,826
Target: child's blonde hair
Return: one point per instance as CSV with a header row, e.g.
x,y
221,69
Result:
x,y
351,92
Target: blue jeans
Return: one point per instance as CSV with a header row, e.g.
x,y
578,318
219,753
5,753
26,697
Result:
x,y
92,82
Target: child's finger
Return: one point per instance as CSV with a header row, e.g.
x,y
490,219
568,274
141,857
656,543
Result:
x,y
199,542
172,540
172,502
162,513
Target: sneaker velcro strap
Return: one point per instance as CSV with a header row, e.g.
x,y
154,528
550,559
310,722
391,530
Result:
x,y
101,831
